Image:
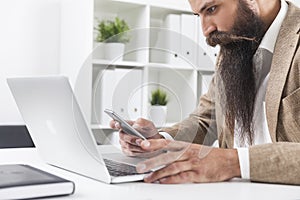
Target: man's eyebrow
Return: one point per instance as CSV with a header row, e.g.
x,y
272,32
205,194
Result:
x,y
207,4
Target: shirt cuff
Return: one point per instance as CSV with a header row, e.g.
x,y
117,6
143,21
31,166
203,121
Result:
x,y
166,135
243,154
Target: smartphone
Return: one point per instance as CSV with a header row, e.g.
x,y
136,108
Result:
x,y
127,128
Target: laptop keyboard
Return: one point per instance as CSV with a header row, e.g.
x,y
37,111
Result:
x,y
119,169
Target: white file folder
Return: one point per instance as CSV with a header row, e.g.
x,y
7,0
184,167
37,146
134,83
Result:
x,y
207,55
189,39
172,39
121,90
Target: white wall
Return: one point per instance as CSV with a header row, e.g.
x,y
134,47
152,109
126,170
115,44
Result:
x,y
42,37
29,45
297,2
76,47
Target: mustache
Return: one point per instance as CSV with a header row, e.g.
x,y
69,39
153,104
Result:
x,y
223,38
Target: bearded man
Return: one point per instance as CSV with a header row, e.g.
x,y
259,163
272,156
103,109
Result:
x,y
252,106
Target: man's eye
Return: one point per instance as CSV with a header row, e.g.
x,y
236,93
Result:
x,y
212,9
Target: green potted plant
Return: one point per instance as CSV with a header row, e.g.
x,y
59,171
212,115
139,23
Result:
x,y
158,108
112,36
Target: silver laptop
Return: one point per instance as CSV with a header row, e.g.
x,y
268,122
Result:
x,y
61,134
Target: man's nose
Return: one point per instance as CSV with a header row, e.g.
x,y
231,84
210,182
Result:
x,y
208,27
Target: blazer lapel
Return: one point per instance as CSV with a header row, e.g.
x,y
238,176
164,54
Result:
x,y
284,52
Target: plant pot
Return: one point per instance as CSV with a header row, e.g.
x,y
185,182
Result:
x,y
98,52
158,115
114,51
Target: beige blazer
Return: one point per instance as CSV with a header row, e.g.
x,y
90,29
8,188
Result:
x,y
278,162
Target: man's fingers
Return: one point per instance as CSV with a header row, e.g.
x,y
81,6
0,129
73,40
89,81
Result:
x,y
127,152
116,125
138,154
153,145
160,160
129,138
183,177
112,124
130,122
130,147
170,170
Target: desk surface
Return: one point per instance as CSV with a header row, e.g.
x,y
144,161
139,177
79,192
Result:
x,y
90,189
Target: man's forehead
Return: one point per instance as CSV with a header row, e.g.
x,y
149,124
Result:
x,y
200,5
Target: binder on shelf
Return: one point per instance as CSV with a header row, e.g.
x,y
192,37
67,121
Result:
x,y
189,39
127,94
108,84
207,55
172,39
26,182
167,47
120,90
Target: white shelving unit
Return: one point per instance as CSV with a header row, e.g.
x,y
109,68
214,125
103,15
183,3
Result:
x,y
126,86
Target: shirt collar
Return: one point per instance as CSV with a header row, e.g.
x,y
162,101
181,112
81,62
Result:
x,y
270,37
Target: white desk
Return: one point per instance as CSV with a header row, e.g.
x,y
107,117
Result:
x,y
90,189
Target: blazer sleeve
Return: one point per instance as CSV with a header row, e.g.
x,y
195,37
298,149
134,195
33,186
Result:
x,y
280,162
200,126
275,163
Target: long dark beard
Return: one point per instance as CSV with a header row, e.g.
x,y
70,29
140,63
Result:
x,y
236,69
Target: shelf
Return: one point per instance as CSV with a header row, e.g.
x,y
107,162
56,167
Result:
x,y
206,71
160,66
168,66
98,126
123,64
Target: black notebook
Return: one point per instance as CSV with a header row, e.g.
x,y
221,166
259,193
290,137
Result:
x,y
24,182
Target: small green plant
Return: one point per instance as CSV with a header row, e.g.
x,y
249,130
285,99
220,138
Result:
x,y
159,97
112,31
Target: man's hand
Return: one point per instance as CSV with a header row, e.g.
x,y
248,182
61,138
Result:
x,y
131,144
186,163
